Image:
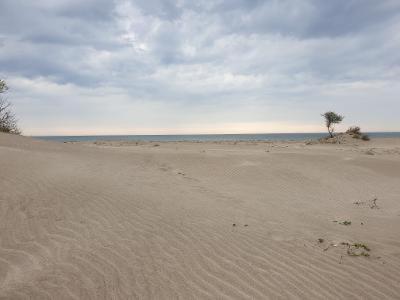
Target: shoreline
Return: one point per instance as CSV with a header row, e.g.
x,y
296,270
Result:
x,y
207,137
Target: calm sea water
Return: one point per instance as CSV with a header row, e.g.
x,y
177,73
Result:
x,y
204,137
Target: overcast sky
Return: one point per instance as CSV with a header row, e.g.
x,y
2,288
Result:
x,y
205,66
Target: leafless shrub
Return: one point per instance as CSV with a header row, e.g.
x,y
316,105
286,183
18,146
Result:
x,y
354,130
8,121
356,133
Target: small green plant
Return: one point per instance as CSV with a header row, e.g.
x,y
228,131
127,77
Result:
x,y
346,223
361,246
357,249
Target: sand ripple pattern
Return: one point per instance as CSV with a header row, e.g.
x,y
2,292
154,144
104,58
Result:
x,y
82,222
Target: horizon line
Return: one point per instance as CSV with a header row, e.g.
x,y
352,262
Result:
x,y
188,134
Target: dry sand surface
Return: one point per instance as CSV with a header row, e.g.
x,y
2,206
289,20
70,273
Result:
x,y
113,220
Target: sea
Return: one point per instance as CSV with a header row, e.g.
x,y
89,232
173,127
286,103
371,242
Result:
x,y
205,137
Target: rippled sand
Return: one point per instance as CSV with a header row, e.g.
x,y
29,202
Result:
x,y
199,220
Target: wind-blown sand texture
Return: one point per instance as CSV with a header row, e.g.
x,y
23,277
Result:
x,y
112,220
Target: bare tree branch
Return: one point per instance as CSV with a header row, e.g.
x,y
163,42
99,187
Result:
x,y
8,121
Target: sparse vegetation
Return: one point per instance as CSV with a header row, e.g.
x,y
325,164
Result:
x,y
357,249
353,249
356,133
332,118
354,130
8,121
371,203
365,137
346,223
362,246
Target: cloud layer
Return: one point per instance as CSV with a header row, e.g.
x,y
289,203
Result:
x,y
163,66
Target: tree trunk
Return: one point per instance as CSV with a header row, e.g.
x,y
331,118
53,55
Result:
x,y
330,132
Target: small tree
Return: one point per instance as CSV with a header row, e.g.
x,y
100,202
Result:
x,y
8,122
332,118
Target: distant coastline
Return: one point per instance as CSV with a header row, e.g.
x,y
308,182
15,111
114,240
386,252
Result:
x,y
206,137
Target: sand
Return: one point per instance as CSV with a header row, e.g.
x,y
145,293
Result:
x,y
118,220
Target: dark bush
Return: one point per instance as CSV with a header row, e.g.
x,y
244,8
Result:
x,y
354,130
365,137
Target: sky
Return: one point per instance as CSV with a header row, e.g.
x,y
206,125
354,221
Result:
x,y
208,66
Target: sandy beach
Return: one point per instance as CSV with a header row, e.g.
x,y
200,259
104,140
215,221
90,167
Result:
x,y
209,220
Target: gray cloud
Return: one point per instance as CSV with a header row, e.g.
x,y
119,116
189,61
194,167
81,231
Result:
x,y
225,61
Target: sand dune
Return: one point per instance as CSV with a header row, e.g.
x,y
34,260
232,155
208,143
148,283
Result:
x,y
118,220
